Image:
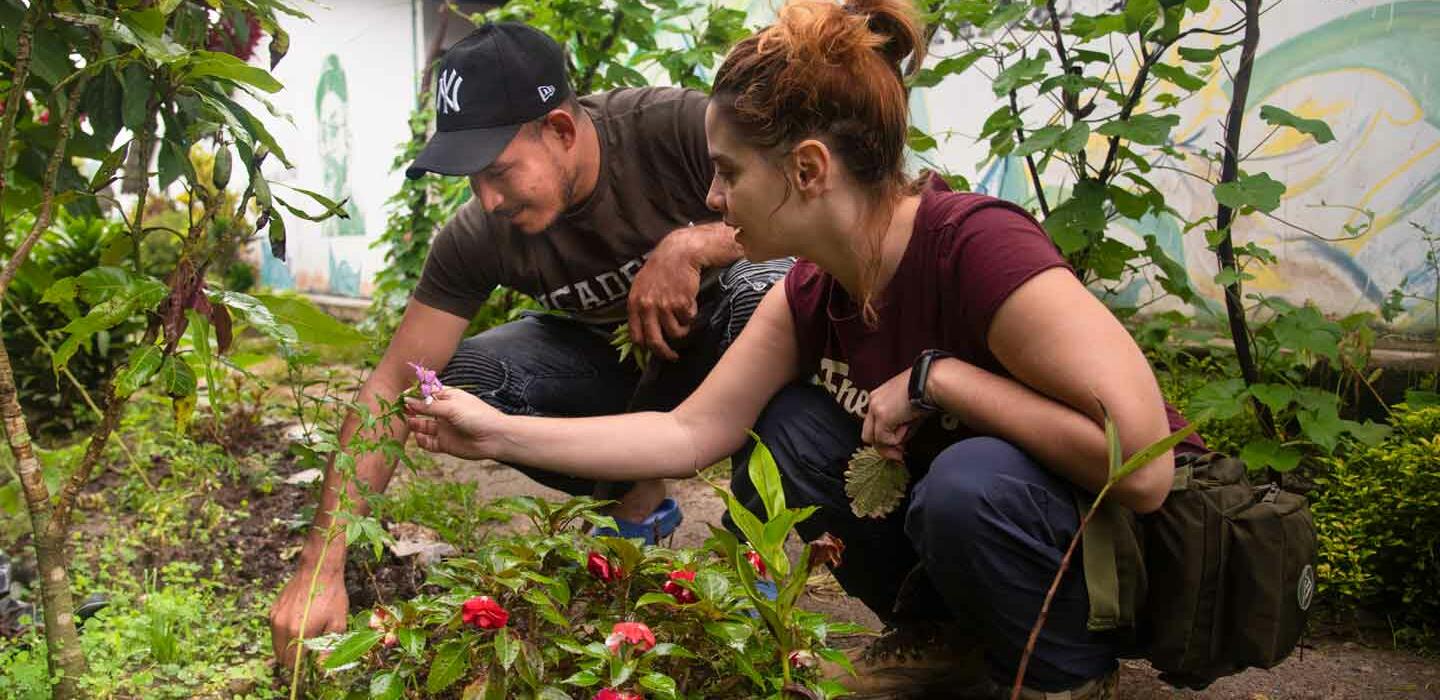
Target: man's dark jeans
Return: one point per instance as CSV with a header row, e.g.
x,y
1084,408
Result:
x,y
550,365
986,525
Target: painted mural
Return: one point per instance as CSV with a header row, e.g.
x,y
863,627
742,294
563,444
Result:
x,y
1368,72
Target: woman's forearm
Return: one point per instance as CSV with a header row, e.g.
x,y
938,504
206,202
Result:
x,y
633,446
1055,434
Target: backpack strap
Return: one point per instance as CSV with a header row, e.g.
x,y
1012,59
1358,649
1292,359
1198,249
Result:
x,y
1102,578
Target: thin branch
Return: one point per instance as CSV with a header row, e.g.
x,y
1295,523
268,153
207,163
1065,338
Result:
x,y
17,93
1029,160
47,191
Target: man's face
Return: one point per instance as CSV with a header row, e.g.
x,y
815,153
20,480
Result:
x,y
532,182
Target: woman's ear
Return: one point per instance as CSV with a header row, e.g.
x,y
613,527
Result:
x,y
810,166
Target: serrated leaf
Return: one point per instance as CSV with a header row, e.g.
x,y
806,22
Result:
x,y
1276,397
352,647
874,484
1219,400
1316,128
143,363
176,378
1146,129
1369,433
452,660
1260,192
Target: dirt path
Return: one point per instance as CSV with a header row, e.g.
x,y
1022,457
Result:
x,y
1328,668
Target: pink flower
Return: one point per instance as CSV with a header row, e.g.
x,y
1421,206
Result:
x,y
612,694
382,621
601,568
757,562
681,594
429,384
633,633
483,612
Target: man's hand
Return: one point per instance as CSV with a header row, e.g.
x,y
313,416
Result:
x,y
662,299
889,417
327,610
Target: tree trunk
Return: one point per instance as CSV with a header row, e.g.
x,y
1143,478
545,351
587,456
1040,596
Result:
x,y
67,662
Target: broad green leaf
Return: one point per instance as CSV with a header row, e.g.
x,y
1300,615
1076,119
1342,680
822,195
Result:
x,y
1369,433
732,633
1196,55
1128,204
138,295
1145,129
1177,76
222,65
176,378
654,598
1004,16
660,683
1079,218
1322,427
920,141
106,171
135,99
151,21
1021,73
1305,329
452,660
765,477
311,325
1090,27
1219,400
173,163
1276,397
255,313
711,585
411,640
102,283
143,363
874,484
1316,128
553,693
332,207
168,6
1073,139
1140,15
584,679
1259,192
352,647
1269,454
1230,275
1039,140
1416,398
61,292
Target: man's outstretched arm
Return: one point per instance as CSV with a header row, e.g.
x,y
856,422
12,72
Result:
x,y
662,300
427,336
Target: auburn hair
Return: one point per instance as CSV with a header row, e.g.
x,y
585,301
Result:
x,y
832,72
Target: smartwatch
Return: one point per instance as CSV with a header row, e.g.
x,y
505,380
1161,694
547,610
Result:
x,y
920,375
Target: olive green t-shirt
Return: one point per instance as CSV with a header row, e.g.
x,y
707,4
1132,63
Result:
x,y
654,174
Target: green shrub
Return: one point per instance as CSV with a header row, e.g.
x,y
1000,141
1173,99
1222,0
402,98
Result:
x,y
1377,513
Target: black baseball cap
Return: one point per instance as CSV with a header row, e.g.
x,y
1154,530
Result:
x,y
491,83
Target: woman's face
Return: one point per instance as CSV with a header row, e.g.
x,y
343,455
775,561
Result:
x,y
748,190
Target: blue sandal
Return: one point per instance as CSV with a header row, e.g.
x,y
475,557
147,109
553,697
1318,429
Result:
x,y
659,524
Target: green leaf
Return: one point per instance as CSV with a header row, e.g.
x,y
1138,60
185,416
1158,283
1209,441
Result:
x,y
1195,55
1079,218
1089,27
1369,433
1073,139
1322,427
1416,398
311,325
874,484
1316,128
920,141
1004,16
1150,453
1140,15
1145,129
1269,454
1259,192
654,598
452,660
255,313
135,99
1022,73
168,6
1306,329
173,163
106,172
1219,400
1177,76
1276,397
138,295
765,476
176,378
387,686
1039,140
731,633
102,283
352,647
711,585
584,679
1112,443
201,64
660,683
60,292
954,65
138,370
506,649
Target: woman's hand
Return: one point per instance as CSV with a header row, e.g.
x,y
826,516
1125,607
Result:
x,y
455,422
889,417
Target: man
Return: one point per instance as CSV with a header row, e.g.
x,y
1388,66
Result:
x,y
594,206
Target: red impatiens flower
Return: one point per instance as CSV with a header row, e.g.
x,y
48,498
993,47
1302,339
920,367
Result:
x,y
757,562
681,594
803,659
613,694
601,568
382,621
633,633
482,611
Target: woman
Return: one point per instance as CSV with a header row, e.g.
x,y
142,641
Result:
x,y
961,295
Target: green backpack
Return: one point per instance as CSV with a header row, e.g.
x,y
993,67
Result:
x,y
1217,580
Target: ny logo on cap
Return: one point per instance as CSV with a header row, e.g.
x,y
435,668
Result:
x,y
447,96
546,92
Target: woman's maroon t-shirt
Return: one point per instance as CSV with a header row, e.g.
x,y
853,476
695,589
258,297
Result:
x,y
967,254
